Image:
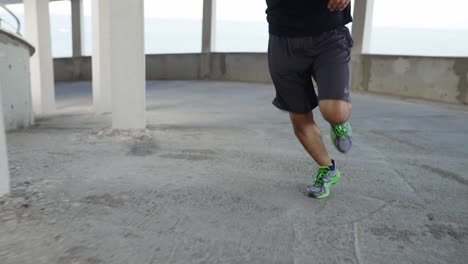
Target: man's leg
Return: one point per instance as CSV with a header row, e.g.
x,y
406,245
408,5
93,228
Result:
x,y
331,72
291,75
308,133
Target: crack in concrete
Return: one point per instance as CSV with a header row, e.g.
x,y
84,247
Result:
x,y
411,187
357,249
373,212
446,174
394,138
294,243
173,252
399,176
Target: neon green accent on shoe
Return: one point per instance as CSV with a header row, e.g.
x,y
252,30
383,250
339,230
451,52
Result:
x,y
341,136
334,180
324,179
321,174
343,131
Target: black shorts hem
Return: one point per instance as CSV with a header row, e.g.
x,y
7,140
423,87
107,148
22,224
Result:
x,y
290,110
347,99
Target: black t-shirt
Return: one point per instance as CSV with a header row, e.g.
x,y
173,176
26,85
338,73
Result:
x,y
299,18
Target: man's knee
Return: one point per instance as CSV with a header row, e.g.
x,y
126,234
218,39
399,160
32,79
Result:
x,y
335,111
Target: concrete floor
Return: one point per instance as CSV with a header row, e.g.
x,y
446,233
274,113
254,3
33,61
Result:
x,y
218,177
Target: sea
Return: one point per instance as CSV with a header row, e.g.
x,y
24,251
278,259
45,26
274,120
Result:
x,y
184,36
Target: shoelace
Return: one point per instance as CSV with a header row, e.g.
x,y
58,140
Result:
x,y
322,172
340,131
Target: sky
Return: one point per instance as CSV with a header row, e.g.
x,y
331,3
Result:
x,y
449,14
435,14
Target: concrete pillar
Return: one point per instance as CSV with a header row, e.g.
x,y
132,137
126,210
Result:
x,y
209,26
128,69
121,33
101,55
41,64
208,36
362,25
4,170
77,23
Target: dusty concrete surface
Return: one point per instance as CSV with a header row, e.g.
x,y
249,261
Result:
x,y
218,178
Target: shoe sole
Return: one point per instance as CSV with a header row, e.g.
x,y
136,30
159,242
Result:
x,y
334,181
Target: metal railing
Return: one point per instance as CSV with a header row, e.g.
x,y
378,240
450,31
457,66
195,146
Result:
x,y
16,29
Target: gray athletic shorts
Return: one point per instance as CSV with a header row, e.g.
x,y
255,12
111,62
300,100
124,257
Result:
x,y
293,62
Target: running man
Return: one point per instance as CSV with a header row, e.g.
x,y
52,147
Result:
x,y
308,39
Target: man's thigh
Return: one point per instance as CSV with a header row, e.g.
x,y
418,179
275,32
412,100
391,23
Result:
x,y
291,73
331,66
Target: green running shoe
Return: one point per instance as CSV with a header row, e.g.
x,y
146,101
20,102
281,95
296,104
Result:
x,y
324,179
341,136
